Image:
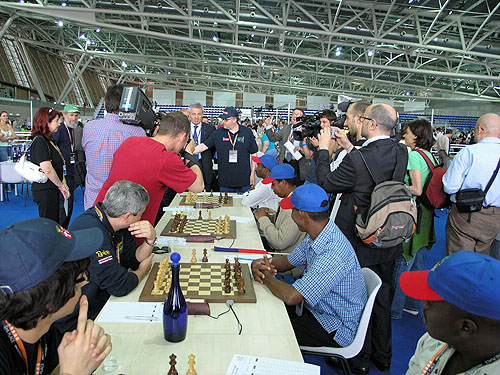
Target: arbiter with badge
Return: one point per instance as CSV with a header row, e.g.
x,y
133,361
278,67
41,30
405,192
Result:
x,y
119,265
235,145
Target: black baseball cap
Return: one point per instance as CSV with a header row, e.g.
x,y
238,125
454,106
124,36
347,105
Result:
x,y
33,250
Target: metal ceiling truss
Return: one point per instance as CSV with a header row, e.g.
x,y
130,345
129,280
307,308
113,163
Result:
x,y
401,49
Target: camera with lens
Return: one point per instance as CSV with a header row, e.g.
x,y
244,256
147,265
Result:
x,y
307,126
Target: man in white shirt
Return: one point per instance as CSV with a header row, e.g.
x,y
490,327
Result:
x,y
262,195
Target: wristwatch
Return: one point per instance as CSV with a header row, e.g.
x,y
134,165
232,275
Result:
x,y
154,242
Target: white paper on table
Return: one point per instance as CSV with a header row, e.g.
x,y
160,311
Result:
x,y
290,147
131,312
242,219
245,365
170,240
243,257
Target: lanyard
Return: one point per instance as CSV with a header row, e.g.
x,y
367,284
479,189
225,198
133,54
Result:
x,y
59,151
21,350
434,360
233,142
70,137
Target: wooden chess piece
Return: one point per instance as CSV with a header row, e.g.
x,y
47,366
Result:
x,y
191,362
200,216
173,362
205,258
211,193
193,259
209,215
204,195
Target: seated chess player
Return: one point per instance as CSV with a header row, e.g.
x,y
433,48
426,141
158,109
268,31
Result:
x,y
332,288
42,271
119,265
461,313
262,195
280,231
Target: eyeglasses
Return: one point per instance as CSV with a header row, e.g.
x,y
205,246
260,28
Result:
x,y
365,118
84,277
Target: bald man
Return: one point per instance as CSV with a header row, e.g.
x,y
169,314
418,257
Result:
x,y
472,168
353,179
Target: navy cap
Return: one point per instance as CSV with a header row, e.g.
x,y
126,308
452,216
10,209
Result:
x,y
309,198
280,172
464,279
266,160
229,112
33,250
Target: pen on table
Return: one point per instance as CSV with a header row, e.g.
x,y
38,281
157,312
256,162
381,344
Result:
x,y
142,317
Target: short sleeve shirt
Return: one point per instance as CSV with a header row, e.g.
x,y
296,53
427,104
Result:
x,y
233,174
333,285
417,162
44,150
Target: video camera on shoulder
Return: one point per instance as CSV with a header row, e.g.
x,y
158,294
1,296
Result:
x,y
136,109
310,126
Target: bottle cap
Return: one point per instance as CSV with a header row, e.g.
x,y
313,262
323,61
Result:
x,y
175,258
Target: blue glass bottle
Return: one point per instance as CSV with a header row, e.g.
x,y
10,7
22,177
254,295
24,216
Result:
x,y
175,313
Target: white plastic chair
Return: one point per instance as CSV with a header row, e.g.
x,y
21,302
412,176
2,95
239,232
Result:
x,y
9,176
373,284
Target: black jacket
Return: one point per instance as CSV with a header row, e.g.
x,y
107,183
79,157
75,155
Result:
x,y
207,156
353,180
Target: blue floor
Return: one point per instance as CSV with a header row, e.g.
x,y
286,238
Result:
x,y
405,332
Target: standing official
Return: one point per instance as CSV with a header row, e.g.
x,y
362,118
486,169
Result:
x,y
200,131
235,144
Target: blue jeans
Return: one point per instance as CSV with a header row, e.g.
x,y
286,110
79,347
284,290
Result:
x,y
400,300
242,189
5,152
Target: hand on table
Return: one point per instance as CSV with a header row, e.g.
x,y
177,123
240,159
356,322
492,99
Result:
x,y
143,229
82,350
262,266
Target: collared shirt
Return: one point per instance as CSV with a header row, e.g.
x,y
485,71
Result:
x,y
262,196
333,285
101,138
428,349
473,167
373,139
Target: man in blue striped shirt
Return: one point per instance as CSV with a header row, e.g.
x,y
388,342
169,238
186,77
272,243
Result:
x,y
332,288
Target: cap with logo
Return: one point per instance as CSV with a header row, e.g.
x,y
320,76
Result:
x,y
280,172
32,250
309,198
71,108
266,160
467,280
229,112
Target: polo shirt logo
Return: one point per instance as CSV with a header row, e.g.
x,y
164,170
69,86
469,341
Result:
x,y
103,256
241,139
225,139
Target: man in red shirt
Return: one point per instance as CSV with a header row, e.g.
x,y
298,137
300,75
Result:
x,y
155,163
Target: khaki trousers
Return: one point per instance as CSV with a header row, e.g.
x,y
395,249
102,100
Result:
x,y
477,235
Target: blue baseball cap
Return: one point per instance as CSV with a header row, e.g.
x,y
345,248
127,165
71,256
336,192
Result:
x,y
280,172
464,279
229,112
266,160
309,198
33,250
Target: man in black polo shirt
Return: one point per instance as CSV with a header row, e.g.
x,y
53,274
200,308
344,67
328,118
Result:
x,y
119,265
235,145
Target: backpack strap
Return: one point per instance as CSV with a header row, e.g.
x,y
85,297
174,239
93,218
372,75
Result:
x,y
399,169
490,182
426,158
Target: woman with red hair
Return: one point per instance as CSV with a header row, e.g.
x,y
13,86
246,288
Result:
x,y
48,156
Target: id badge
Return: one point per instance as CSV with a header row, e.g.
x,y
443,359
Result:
x,y
65,171
233,156
72,159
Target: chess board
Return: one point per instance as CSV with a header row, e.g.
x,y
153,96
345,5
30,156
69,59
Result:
x,y
200,227
203,281
207,201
